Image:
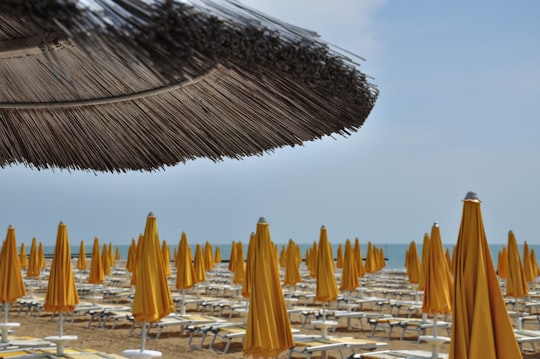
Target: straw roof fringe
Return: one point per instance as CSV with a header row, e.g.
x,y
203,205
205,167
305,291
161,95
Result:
x,y
117,85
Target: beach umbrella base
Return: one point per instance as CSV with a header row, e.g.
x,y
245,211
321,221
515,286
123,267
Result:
x,y
141,354
60,342
5,328
435,343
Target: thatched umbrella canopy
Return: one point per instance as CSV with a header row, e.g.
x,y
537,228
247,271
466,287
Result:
x,y
118,85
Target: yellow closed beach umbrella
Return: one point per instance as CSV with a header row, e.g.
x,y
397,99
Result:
x,y
117,256
314,255
153,299
136,260
231,258
112,261
413,267
423,261
34,267
217,256
439,286
534,261
208,256
528,268
239,267
106,260
11,281
502,265
413,264
349,276
282,260
381,260
166,257
481,326
516,284
371,261
246,287
326,286
200,270
132,256
339,256
185,272
41,254
358,260
292,270
61,293
268,328
96,275
81,259
61,296
23,258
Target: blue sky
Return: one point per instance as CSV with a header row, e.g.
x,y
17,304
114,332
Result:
x,y
458,110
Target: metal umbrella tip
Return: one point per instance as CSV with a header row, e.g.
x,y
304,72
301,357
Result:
x,y
435,224
262,220
323,226
61,223
151,214
472,196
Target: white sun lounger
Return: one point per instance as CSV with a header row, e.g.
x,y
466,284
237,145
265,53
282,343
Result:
x,y
527,336
308,345
397,354
182,321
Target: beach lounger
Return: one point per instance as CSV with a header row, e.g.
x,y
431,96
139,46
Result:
x,y
349,315
69,353
115,295
420,326
527,336
307,345
227,332
397,354
201,330
21,342
385,324
410,307
32,306
83,308
182,321
108,316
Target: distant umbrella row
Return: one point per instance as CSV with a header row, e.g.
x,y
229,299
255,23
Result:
x,y
518,270
464,284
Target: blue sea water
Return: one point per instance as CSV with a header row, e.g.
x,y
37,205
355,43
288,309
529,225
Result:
x,y
394,253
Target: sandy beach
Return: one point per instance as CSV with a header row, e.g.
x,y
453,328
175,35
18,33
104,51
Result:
x,y
173,343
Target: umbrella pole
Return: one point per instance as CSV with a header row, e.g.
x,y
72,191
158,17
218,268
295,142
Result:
x,y
183,301
61,320
94,294
143,336
5,330
435,345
